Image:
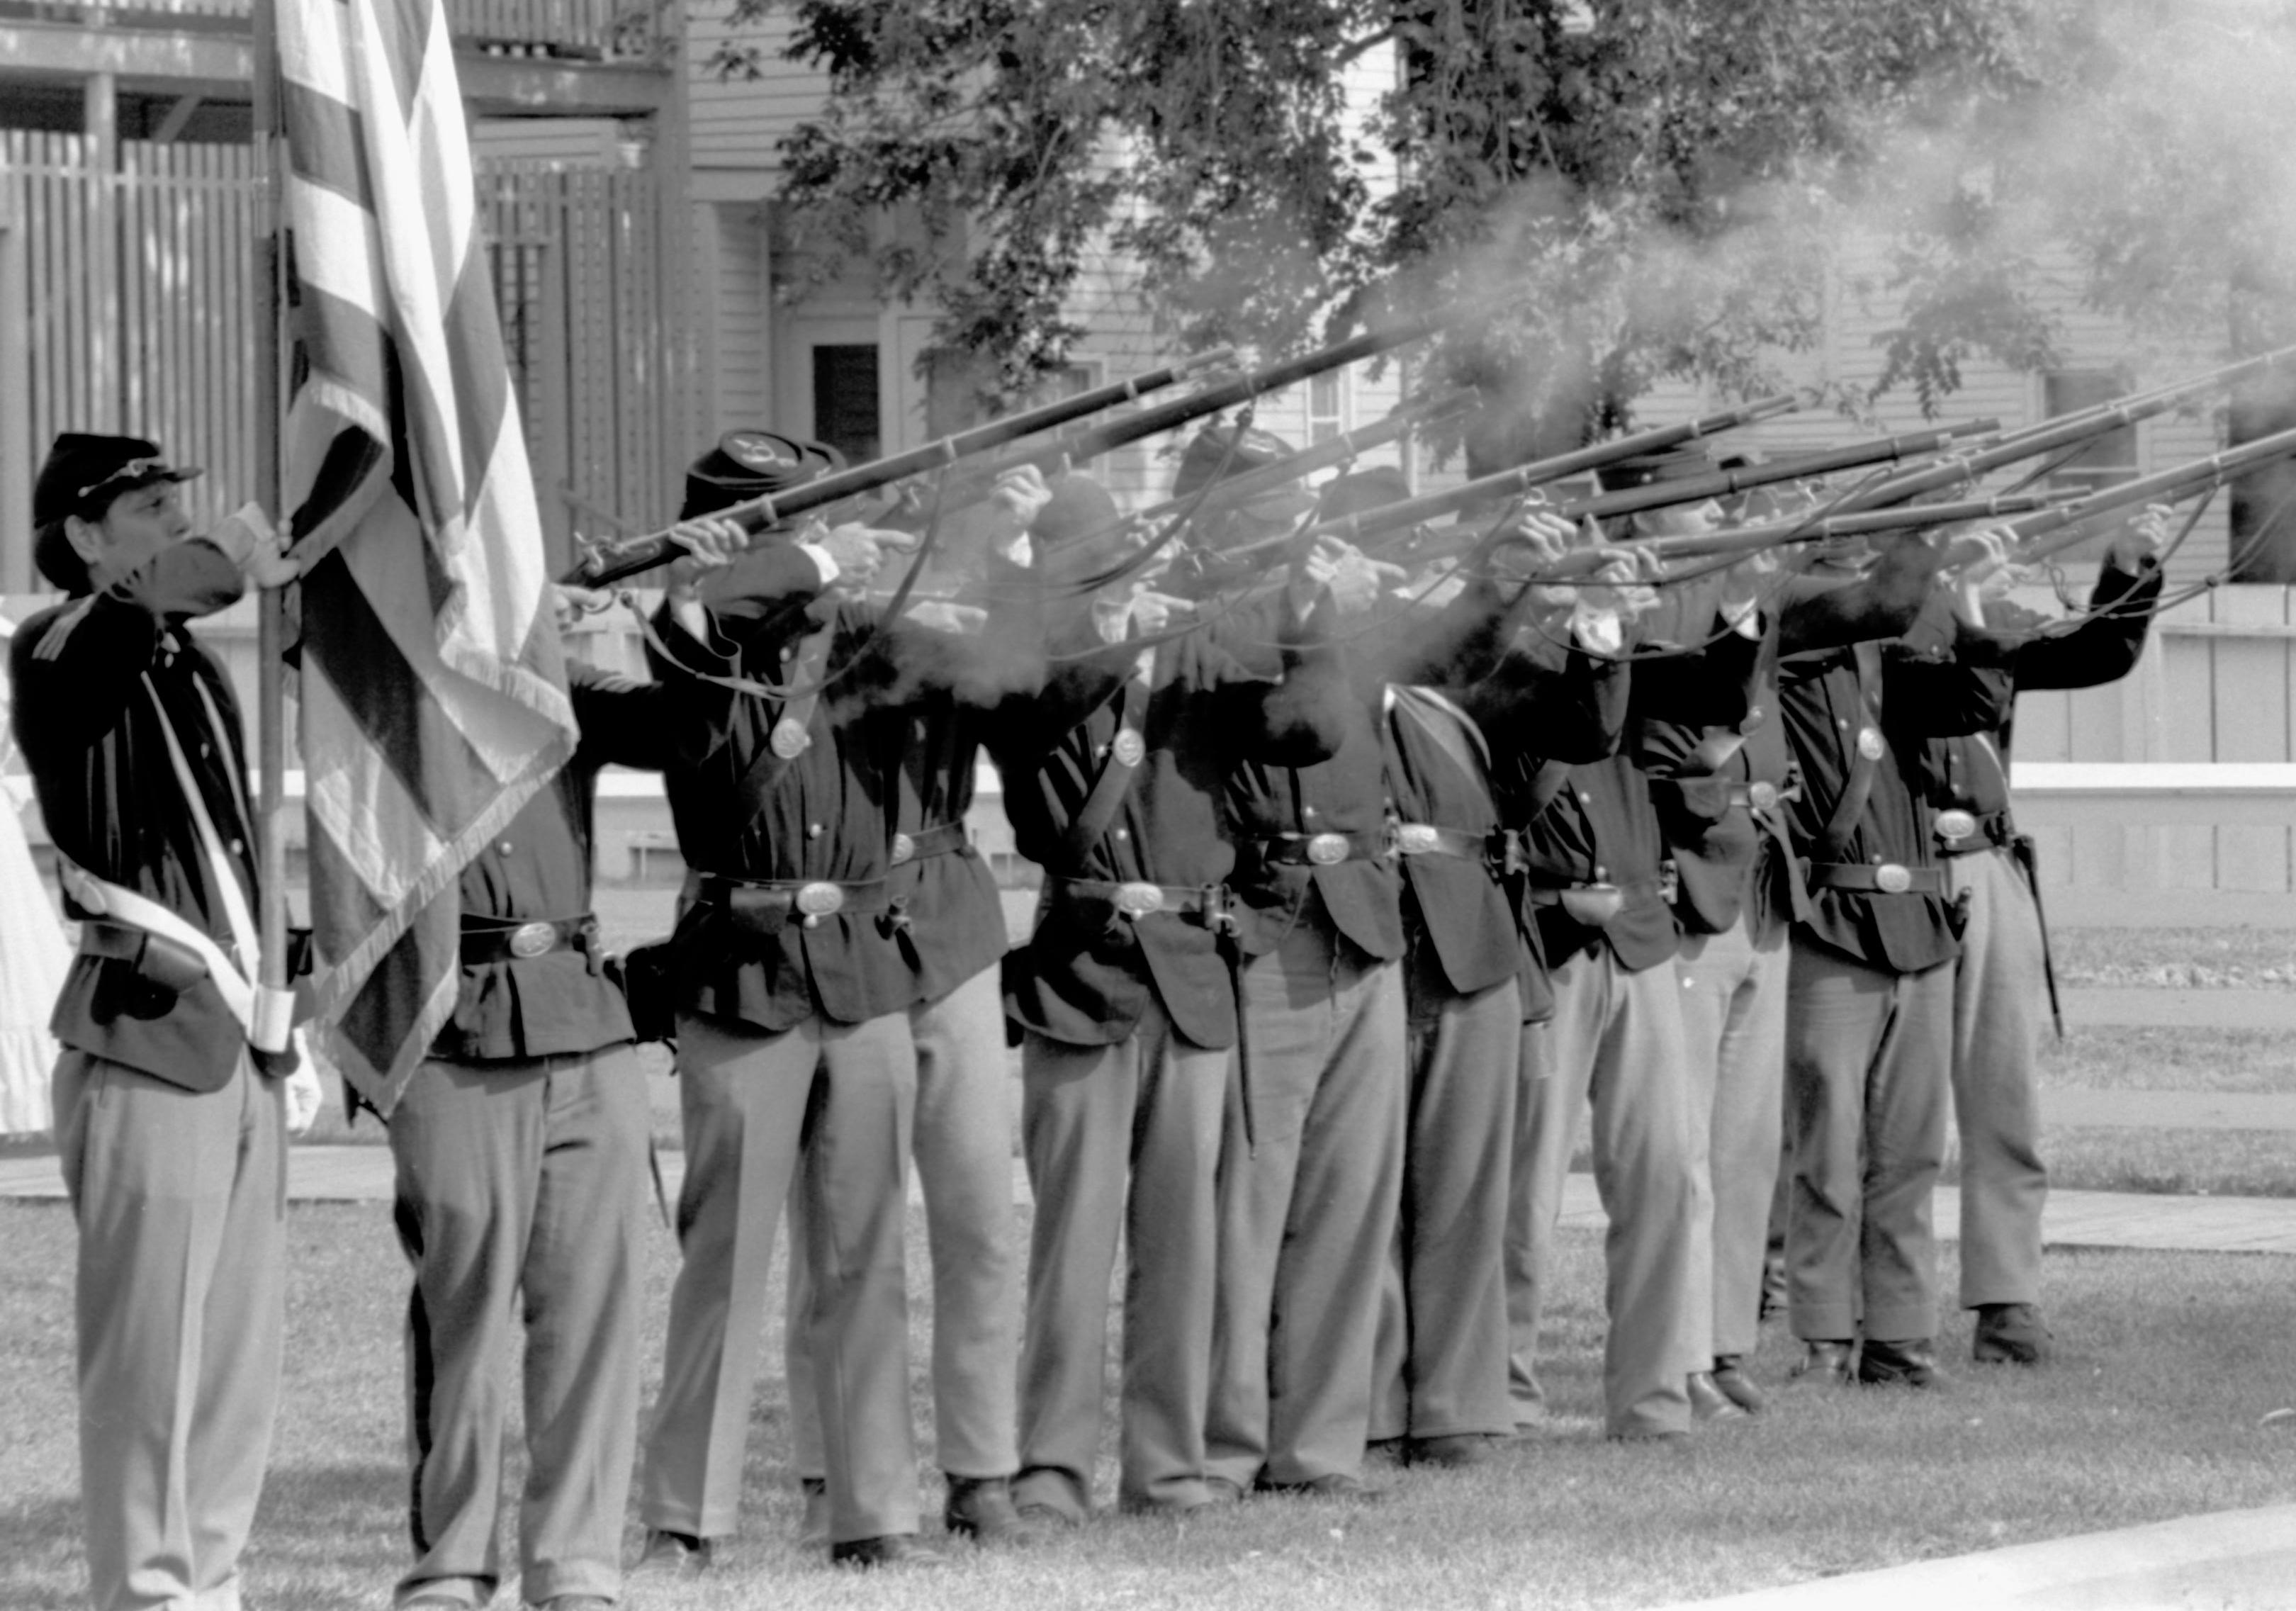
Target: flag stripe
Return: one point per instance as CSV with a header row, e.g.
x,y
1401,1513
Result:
x,y
326,142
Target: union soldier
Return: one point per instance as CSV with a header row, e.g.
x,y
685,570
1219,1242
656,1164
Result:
x,y
1595,899
1439,1383
170,1125
1719,792
794,1049
1869,1002
1126,1003
2004,964
521,1148
1311,1162
949,922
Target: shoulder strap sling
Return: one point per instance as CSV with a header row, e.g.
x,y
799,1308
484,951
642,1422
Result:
x,y
791,736
231,976
1127,749
1452,729
1866,763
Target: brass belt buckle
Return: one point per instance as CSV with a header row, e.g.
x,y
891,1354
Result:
x,y
820,900
1139,900
904,847
1128,748
1955,825
1761,796
1891,879
1416,838
530,940
1326,849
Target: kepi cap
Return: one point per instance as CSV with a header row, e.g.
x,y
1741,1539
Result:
x,y
749,463
84,472
1209,457
1668,465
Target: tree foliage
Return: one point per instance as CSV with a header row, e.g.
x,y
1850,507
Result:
x,y
1638,189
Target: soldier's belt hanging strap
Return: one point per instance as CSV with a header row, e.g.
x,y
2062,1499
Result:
x,y
1867,750
1127,747
790,737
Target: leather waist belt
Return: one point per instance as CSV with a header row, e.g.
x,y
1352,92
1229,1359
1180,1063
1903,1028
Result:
x,y
809,899
1762,796
1426,839
1319,850
1134,899
1959,832
935,841
486,940
1881,878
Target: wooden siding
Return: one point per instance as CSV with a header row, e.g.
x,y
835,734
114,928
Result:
x,y
736,121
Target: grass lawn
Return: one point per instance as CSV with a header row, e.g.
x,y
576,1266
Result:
x,y
2170,1361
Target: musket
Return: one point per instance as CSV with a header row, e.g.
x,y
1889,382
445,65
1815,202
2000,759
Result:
x,y
2175,391
762,514
1507,484
611,561
2165,486
1227,493
2052,434
1774,534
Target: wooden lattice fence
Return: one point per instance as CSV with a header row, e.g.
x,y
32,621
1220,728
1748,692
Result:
x,y
129,299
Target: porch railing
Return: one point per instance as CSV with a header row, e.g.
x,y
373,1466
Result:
x,y
574,30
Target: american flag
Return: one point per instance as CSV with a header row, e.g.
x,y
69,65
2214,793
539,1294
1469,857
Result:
x,y
433,695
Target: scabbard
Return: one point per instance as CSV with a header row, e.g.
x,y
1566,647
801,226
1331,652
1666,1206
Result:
x,y
1231,953
2021,847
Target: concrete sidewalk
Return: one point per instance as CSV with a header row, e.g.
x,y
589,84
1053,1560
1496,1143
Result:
x,y
2235,1558
2074,1219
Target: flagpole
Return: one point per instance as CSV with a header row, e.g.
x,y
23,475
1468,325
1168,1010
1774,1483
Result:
x,y
271,606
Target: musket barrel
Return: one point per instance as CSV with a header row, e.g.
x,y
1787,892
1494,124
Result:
x,y
2180,480
1510,483
2063,433
644,552
2228,374
1317,455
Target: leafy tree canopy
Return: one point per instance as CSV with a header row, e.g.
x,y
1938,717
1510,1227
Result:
x,y
1641,189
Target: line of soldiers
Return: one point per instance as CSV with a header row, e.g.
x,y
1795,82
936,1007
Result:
x,y
1357,887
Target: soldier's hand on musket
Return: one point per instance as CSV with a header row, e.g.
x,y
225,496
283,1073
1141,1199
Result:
x,y
859,551
1532,540
709,543
1151,611
1021,492
569,604
1626,584
1354,580
2141,539
946,615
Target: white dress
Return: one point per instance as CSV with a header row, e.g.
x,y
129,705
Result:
x,y
33,954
